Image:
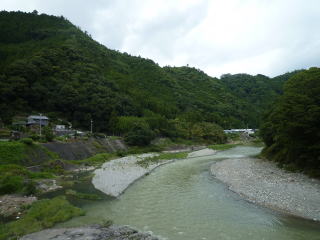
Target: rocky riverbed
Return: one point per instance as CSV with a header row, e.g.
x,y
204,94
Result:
x,y
95,232
264,183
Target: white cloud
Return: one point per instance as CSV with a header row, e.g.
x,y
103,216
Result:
x,y
253,36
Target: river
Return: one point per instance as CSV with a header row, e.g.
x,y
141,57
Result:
x,y
182,201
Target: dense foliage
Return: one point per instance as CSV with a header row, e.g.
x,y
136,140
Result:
x,y
291,129
48,65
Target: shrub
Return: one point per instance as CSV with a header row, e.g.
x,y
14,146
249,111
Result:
x,y
27,141
35,137
139,135
121,153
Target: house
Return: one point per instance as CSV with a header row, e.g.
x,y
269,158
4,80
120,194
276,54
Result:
x,y
246,131
60,128
37,120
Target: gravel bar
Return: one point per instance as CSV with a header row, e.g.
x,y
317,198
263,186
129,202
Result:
x,y
262,182
114,177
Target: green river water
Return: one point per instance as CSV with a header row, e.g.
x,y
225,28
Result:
x,y
182,201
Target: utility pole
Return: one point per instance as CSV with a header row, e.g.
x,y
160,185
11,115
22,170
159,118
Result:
x,y
91,126
40,123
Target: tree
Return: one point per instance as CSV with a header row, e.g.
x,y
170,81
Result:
x,y
48,133
139,135
209,132
291,129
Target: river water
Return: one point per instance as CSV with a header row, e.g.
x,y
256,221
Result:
x,y
182,201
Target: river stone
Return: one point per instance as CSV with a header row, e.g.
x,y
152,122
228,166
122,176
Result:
x,y
94,232
264,183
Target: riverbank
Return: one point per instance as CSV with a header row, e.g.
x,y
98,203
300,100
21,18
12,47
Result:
x,y
95,232
264,183
115,176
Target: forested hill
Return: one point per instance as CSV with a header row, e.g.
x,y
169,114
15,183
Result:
x,y
291,129
49,65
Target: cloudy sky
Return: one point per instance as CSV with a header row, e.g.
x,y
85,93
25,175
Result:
x,y
270,37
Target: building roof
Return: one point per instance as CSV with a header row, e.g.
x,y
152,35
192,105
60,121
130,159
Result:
x,y
38,117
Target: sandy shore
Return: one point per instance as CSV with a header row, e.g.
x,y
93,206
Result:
x,y
264,183
114,177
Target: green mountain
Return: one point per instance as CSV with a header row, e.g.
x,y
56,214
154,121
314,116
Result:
x,y
49,65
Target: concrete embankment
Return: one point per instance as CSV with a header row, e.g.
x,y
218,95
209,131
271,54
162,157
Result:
x,y
84,149
264,183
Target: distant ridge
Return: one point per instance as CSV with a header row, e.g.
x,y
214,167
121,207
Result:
x,y
49,65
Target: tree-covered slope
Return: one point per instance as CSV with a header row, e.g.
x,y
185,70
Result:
x,y
291,129
256,93
49,65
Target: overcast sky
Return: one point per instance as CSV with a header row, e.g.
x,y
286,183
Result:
x,y
270,37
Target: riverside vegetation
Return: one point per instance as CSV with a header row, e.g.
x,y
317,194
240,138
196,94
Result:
x,y
291,129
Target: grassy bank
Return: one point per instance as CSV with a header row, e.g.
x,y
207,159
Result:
x,y
42,214
25,153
